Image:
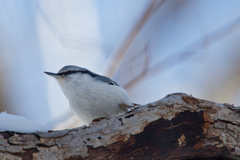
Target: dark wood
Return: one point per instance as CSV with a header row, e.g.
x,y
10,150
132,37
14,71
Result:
x,y
159,140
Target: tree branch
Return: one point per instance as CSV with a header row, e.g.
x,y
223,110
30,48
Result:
x,y
176,127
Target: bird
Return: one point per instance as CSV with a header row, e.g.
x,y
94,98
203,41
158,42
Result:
x,y
91,96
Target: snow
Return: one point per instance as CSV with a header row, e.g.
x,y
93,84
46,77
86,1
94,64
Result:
x,y
20,124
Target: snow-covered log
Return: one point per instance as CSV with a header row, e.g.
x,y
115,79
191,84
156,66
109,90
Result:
x,y
178,126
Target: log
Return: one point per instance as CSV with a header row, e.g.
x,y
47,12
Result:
x,y
176,127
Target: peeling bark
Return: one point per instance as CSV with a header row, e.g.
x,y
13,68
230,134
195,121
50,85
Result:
x,y
176,127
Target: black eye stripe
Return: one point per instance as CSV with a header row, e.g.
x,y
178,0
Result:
x,y
94,75
90,73
83,72
113,83
68,72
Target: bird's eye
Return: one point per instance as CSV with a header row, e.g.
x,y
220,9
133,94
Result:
x,y
113,83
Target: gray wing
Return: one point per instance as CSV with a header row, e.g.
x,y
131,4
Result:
x,y
107,80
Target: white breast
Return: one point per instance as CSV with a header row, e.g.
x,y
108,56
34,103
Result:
x,y
90,98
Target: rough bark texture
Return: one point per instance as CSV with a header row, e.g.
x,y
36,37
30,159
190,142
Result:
x,y
176,127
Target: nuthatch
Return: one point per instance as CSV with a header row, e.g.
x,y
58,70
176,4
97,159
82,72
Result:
x,y
90,95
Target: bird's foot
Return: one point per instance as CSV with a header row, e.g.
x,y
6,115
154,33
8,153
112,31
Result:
x,y
128,108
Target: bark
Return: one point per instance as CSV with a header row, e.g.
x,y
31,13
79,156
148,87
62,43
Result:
x,y
176,127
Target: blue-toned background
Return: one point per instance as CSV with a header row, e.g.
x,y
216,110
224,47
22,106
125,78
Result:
x,y
152,48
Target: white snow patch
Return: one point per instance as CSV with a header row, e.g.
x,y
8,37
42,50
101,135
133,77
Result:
x,y
16,123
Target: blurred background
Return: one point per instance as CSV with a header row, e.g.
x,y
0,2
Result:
x,y
150,47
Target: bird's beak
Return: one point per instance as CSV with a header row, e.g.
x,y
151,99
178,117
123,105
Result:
x,y
53,75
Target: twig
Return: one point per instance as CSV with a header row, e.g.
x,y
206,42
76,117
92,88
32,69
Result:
x,y
122,52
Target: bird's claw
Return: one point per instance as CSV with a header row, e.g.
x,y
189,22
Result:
x,y
128,108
